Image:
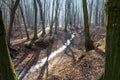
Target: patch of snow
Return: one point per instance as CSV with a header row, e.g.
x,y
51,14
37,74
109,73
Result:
x,y
67,43
43,61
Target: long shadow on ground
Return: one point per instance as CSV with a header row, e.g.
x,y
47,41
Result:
x,y
44,69
30,63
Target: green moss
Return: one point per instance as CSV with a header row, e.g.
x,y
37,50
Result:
x,y
112,64
7,71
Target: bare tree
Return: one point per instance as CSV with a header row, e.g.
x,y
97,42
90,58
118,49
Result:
x,y
12,16
88,42
67,15
96,14
24,22
35,21
90,11
42,17
57,12
52,18
7,71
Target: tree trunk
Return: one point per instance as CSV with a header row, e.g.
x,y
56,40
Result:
x,y
66,21
52,19
7,71
12,16
24,23
91,9
88,42
103,14
35,23
67,8
96,13
112,64
42,18
56,25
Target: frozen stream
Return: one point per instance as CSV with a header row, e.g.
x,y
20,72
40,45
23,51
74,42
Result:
x,y
43,61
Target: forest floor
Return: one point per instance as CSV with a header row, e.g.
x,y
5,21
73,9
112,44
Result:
x,y
73,63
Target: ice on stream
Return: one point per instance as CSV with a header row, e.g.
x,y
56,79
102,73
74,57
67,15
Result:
x,y
43,61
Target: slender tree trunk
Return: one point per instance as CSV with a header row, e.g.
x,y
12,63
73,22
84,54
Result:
x,y
56,25
52,19
67,2
24,23
88,42
96,20
103,14
35,23
7,71
57,12
91,9
12,16
112,63
66,21
42,17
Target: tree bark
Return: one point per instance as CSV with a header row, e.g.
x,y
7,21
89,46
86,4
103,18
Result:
x,y
96,13
112,61
35,23
57,11
42,17
52,19
12,16
88,42
67,12
7,71
91,9
24,22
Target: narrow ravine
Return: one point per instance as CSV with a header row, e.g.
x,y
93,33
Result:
x,y
43,61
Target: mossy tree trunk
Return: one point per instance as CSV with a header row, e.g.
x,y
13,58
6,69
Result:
x,y
112,63
7,71
88,42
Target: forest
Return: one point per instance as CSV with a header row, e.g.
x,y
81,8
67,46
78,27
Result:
x,y
59,40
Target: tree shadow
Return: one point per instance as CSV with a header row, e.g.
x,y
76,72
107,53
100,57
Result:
x,y
64,37
57,62
30,63
44,70
24,56
100,52
68,50
21,59
21,41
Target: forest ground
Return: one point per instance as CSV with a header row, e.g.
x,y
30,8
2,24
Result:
x,y
71,64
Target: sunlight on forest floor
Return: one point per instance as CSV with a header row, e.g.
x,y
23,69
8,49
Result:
x,y
47,58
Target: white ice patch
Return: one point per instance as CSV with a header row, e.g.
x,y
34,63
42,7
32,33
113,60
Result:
x,y
53,54
67,43
72,36
42,62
